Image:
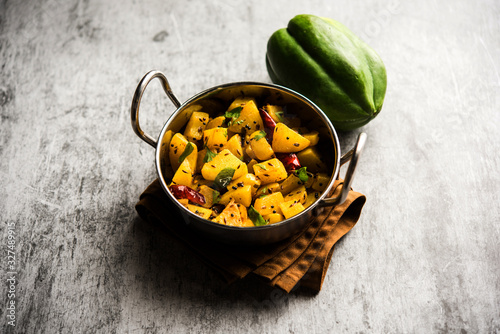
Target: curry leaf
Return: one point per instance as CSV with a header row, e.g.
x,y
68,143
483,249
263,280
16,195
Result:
x,y
224,177
302,174
233,113
216,197
187,151
263,192
256,217
209,155
280,116
261,166
260,135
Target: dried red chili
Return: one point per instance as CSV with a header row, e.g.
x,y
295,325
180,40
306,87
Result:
x,y
180,192
269,124
289,160
267,119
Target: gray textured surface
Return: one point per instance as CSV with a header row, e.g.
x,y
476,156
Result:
x,y
424,257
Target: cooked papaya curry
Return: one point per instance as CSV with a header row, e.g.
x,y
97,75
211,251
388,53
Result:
x,y
246,165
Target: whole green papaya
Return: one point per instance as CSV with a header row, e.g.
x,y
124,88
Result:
x,y
323,60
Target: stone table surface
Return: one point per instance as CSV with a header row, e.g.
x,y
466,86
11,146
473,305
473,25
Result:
x,y
423,258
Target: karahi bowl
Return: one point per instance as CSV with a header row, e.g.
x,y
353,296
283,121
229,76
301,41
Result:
x,y
211,100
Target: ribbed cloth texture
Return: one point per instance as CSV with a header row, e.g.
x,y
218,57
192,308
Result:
x,y
300,261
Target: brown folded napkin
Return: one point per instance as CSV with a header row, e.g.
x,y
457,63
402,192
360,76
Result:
x,y
301,260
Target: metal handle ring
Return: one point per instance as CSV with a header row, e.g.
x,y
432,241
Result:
x,y
136,101
352,156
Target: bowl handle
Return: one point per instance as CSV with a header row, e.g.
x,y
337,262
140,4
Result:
x,y
352,156
136,101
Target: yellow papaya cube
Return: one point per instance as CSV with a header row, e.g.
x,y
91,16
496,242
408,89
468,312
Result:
x,y
224,159
290,183
260,146
246,140
251,163
273,218
243,212
199,160
196,125
276,112
311,158
216,122
285,140
177,148
246,180
249,118
230,215
313,137
269,204
249,152
247,223
199,181
299,195
267,189
270,171
192,157
291,208
184,175
311,198
234,146
203,156
183,201
198,210
240,102
231,133
212,196
166,139
320,181
242,195
215,138
310,180
166,167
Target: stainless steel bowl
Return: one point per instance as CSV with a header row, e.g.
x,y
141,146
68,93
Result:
x,y
222,95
